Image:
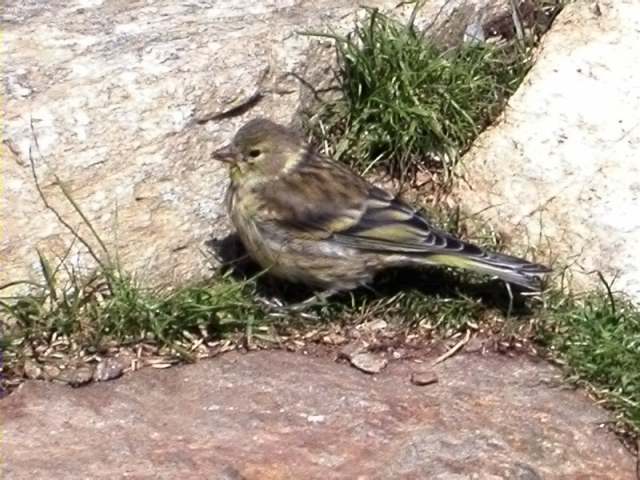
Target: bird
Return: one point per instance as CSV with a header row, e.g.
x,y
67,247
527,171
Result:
x,y
308,219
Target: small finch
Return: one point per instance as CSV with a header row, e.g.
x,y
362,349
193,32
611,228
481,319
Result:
x,y
308,219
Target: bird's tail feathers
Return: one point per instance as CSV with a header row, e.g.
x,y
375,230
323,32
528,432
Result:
x,y
510,269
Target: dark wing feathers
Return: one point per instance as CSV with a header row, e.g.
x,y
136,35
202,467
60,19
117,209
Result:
x,y
323,200
313,199
399,228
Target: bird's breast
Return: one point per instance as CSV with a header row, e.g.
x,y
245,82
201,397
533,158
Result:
x,y
243,207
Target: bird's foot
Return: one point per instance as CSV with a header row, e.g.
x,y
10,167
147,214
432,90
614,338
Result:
x,y
318,298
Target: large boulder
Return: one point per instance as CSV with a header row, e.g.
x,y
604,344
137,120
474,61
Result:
x,y
559,172
127,100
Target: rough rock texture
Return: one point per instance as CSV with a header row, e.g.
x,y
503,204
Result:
x,y
119,94
560,171
278,415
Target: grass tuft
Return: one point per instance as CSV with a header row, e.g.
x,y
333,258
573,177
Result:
x,y
597,337
106,307
408,104
95,310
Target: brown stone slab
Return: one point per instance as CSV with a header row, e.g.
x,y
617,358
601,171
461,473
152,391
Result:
x,y
278,415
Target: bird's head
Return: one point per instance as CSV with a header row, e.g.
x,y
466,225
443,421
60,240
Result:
x,y
261,150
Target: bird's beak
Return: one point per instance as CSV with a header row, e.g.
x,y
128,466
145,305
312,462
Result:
x,y
227,154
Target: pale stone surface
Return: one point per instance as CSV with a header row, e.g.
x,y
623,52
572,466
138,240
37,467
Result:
x,y
560,171
279,415
114,90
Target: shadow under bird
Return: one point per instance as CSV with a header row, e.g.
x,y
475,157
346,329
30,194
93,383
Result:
x,y
306,218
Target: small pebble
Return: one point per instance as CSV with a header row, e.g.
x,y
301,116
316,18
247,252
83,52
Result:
x,y
76,377
316,418
108,369
424,377
376,325
32,370
368,362
398,354
475,344
334,339
351,349
51,371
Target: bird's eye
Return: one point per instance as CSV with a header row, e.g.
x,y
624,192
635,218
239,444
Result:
x,y
254,153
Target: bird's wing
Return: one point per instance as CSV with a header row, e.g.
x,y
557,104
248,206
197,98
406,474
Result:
x,y
389,224
314,200
324,200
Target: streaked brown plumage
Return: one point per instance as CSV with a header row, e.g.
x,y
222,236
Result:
x,y
308,219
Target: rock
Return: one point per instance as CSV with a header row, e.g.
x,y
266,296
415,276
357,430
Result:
x,y
267,415
424,377
368,362
352,348
51,371
76,376
108,369
559,173
32,369
127,102
334,338
373,326
476,344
